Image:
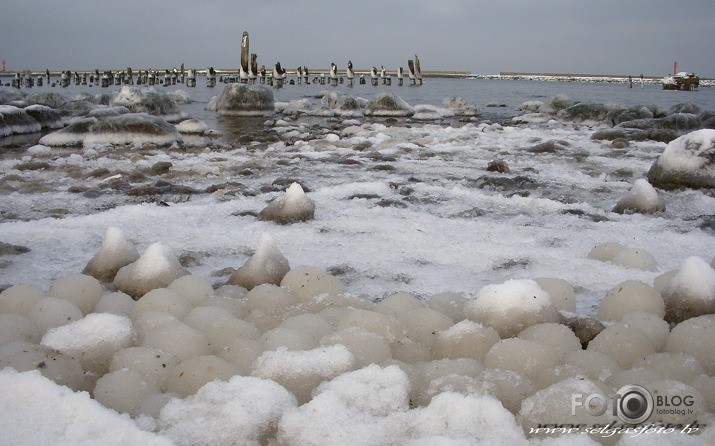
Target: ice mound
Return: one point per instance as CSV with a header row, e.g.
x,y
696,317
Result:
x,y
243,410
11,95
623,256
156,268
93,339
130,128
14,120
266,265
690,292
149,101
192,126
688,337
686,161
82,290
511,307
629,296
294,206
642,198
47,117
302,371
388,104
75,418
243,100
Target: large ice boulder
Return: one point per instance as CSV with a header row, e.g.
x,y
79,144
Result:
x,y
243,100
687,161
388,104
148,101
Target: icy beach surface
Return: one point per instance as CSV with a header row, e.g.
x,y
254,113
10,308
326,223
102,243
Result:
x,y
500,216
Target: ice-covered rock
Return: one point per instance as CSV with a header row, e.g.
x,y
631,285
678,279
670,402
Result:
x,y
293,206
589,113
388,104
192,126
555,104
14,120
426,112
511,307
266,265
50,99
243,100
643,198
460,106
156,268
72,135
115,253
11,95
47,117
343,105
691,291
688,161
149,101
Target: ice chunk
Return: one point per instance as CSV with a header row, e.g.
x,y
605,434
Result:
x,y
460,106
116,251
93,339
156,268
691,291
294,206
243,410
642,198
266,265
511,307
45,116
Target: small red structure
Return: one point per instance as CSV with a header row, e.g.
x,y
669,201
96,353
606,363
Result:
x,y
3,65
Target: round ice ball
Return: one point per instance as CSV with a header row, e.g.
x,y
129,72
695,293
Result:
x,y
558,373
650,324
622,343
635,258
511,307
320,303
242,353
398,303
195,289
14,327
465,339
629,296
312,324
20,299
60,368
706,386
691,291
84,291
638,375
270,299
409,351
688,337
523,356
307,282
151,320
190,375
219,326
423,325
288,338
366,346
507,386
124,390
561,292
178,339
51,312
681,366
596,366
448,303
429,371
116,303
384,325
605,252
235,306
162,299
557,336
153,363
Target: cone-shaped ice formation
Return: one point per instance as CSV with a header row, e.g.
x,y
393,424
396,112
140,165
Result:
x,y
243,100
156,268
266,265
292,207
691,291
116,252
511,307
642,198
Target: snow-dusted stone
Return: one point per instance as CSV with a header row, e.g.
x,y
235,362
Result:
x,y
642,198
687,161
266,265
14,120
293,206
148,101
691,291
243,410
156,268
511,307
388,104
192,126
243,100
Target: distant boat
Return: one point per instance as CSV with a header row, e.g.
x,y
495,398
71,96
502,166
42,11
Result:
x,y
681,81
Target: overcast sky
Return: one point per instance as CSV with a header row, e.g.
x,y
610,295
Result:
x,y
479,36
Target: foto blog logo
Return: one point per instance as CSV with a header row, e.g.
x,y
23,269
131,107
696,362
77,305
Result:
x,y
632,404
